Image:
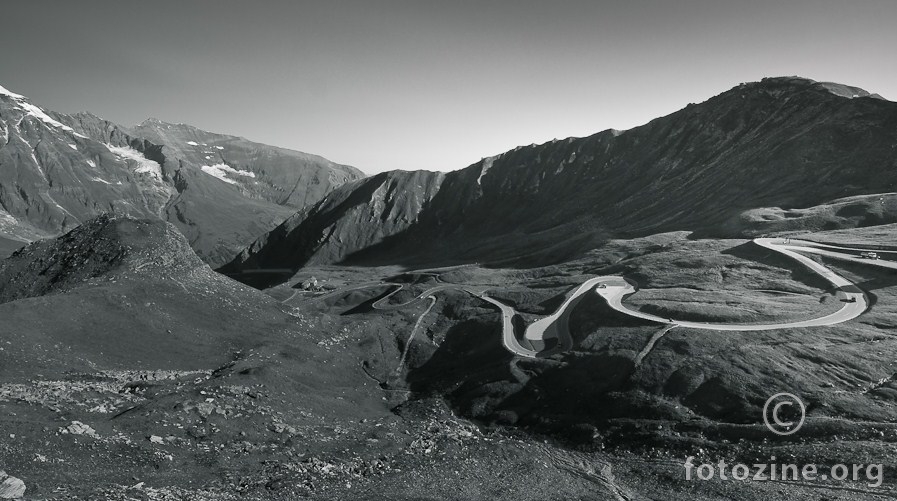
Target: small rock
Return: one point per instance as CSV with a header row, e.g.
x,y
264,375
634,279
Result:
x,y
282,428
310,284
79,428
205,409
11,487
197,432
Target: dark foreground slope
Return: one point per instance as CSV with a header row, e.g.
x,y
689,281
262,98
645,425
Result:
x,y
119,326
130,370
220,191
126,293
780,143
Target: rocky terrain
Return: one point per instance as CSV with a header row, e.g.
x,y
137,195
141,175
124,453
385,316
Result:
x,y
127,334
131,370
370,210
220,191
375,364
635,395
782,144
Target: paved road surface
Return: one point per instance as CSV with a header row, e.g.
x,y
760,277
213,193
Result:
x,y
614,289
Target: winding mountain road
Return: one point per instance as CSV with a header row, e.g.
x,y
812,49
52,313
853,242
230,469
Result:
x,y
615,288
855,301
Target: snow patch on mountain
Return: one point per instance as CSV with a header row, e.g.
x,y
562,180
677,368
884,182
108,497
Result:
x,y
38,113
40,168
144,165
192,143
222,170
5,92
72,146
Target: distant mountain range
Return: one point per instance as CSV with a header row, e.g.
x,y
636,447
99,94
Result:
x,y
130,369
770,156
220,191
740,164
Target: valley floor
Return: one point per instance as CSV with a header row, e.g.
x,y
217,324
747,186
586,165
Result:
x,y
464,382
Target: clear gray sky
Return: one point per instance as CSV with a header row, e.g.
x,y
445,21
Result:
x,y
425,84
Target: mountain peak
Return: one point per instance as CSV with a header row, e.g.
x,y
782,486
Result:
x,y
66,168
24,105
158,122
86,114
760,144
837,89
151,121
6,92
847,91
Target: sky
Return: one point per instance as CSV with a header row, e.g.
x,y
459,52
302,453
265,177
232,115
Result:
x,y
423,84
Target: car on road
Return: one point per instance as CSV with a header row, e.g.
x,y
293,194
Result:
x,y
869,255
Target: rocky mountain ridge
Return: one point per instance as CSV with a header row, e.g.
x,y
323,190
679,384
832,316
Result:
x,y
782,142
107,246
221,191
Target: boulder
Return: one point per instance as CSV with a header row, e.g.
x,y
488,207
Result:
x,y
11,487
79,428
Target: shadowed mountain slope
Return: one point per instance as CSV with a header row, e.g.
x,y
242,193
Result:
x,y
120,324
782,142
125,293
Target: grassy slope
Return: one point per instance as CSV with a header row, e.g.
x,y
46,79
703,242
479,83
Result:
x,y
726,281
717,375
852,213
137,349
297,367
884,236
693,389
